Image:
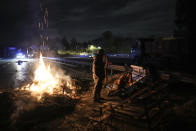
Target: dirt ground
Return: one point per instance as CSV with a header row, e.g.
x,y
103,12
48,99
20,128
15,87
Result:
x,y
20,111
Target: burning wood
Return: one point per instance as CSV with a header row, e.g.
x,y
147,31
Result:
x,y
124,80
45,82
121,85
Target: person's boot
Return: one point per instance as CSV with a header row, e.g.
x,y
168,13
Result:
x,y
101,98
97,100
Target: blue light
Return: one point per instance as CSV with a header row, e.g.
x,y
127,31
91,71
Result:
x,y
20,56
12,48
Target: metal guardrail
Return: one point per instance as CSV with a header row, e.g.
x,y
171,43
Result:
x,y
136,70
63,60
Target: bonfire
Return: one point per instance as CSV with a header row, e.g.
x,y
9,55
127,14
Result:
x,y
45,82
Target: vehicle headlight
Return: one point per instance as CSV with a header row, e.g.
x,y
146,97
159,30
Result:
x,y
20,56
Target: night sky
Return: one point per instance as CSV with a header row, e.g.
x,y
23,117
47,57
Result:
x,y
86,19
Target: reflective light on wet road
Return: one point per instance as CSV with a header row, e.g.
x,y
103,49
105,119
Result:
x,y
12,74
20,68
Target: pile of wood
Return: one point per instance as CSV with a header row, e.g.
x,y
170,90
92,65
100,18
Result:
x,y
145,109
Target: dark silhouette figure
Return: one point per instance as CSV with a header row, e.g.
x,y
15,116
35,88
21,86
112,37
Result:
x,y
100,62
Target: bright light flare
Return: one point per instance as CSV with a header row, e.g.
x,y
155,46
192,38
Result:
x,y
20,56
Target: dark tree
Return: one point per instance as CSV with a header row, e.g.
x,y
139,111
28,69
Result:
x,y
65,43
108,40
185,25
74,44
117,44
184,18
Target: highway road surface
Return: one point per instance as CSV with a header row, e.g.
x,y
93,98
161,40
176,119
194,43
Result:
x,y
12,73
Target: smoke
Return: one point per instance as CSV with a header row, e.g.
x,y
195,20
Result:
x,y
23,103
30,113
29,104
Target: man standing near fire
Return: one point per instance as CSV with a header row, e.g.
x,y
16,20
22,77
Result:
x,y
100,63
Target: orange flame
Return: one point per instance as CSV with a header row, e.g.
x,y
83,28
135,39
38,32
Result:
x,y
45,82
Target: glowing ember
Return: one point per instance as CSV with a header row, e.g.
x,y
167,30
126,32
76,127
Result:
x,y
45,82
